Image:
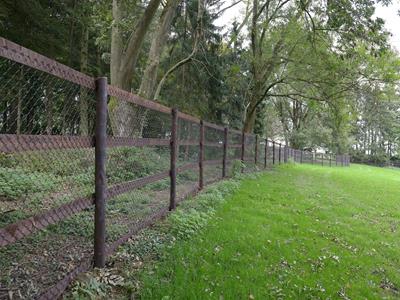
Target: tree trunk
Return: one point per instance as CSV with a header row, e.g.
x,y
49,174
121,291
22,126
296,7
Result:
x,y
148,83
125,118
250,118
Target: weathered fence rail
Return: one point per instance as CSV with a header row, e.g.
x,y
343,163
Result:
x,y
70,143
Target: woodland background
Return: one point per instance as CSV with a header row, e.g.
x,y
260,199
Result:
x,y
316,74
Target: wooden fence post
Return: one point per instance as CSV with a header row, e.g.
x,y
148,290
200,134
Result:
x,y
285,153
330,159
225,152
243,149
256,150
301,156
273,152
100,173
280,148
174,152
201,156
265,153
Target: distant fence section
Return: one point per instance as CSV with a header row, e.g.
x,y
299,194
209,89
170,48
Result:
x,y
83,159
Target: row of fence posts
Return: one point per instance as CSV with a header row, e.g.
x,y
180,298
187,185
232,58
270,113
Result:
x,y
100,163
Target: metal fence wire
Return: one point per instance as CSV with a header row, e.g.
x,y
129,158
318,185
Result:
x,y
80,158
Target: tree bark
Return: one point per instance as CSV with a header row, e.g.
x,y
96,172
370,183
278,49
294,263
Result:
x,y
148,83
125,118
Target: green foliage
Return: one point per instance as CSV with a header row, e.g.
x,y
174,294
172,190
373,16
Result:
x,y
192,216
128,163
89,290
184,224
16,183
236,169
11,217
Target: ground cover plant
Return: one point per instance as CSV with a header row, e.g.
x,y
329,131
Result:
x,y
52,178
300,231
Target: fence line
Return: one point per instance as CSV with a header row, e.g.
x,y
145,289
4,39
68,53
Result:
x,y
60,140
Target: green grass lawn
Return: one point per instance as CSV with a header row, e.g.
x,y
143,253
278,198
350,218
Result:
x,y
300,232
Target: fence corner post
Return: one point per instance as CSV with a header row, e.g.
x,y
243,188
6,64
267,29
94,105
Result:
x,y
174,152
100,173
201,155
225,149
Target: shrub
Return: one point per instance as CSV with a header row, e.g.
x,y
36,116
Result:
x,y
236,169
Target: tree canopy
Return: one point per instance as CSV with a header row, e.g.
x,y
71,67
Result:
x,y
317,74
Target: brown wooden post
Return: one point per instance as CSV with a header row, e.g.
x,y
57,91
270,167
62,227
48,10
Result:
x,y
273,152
100,173
174,153
285,154
243,149
201,155
280,148
265,153
330,159
225,152
301,156
256,150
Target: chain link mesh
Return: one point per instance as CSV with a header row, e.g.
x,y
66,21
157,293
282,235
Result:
x,y
46,176
47,167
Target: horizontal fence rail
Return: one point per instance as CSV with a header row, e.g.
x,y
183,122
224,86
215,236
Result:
x,y
74,146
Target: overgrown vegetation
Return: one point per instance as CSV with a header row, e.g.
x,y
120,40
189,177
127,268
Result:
x,y
191,217
30,186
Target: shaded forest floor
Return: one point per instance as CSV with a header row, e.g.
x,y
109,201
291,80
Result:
x,y
301,231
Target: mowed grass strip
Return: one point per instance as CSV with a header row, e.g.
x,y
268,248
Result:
x,y
300,232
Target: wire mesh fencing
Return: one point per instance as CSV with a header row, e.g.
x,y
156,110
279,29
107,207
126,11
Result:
x,y
80,158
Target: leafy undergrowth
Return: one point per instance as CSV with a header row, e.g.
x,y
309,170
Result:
x,y
120,278
28,186
299,232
